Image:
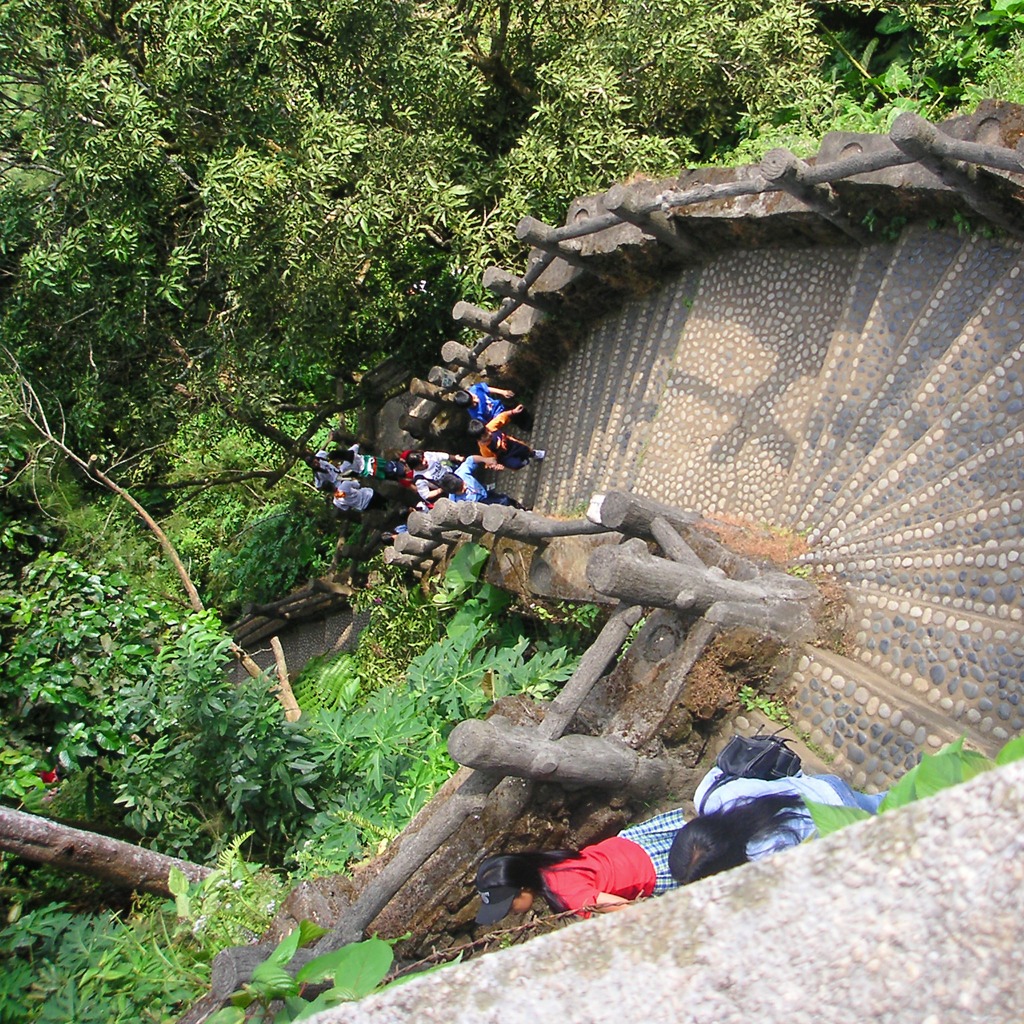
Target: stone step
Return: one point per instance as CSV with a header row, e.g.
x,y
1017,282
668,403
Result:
x,y
604,460
647,394
968,666
915,271
985,580
871,729
881,387
995,522
870,271
992,333
986,416
752,348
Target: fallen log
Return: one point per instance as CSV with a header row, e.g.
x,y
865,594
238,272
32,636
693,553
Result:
x,y
70,849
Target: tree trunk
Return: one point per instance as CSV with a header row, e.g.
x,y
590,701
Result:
x,y
39,839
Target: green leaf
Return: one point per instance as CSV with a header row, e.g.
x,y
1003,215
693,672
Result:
x,y
272,981
829,818
286,948
359,967
227,1015
1012,751
177,883
310,931
938,772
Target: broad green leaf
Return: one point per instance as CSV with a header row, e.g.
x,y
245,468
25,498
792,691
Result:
x,y
359,967
272,981
829,818
938,772
903,793
286,948
310,931
1012,751
177,882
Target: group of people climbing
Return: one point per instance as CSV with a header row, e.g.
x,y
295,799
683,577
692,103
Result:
x,y
739,819
350,478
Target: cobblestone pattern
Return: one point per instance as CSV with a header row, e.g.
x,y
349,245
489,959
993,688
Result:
x,y
871,730
985,417
965,285
736,395
601,403
875,396
915,271
872,266
991,334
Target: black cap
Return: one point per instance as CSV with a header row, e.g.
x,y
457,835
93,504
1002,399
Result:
x,y
497,902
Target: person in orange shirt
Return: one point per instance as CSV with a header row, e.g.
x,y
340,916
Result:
x,y
496,443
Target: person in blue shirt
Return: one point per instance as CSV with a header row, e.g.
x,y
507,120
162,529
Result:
x,y
464,485
741,820
483,402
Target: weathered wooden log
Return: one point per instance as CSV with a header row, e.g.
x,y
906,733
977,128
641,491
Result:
x,y
495,353
283,690
594,663
496,745
623,201
541,235
508,286
485,320
632,574
70,849
922,140
518,524
393,557
470,515
445,514
634,515
783,168
425,389
673,544
418,547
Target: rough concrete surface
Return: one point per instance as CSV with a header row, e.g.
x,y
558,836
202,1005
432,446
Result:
x,y
913,918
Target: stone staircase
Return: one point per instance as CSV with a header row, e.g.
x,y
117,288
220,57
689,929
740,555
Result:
x,y
870,398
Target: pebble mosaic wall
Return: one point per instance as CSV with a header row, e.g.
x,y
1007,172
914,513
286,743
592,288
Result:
x,y
874,397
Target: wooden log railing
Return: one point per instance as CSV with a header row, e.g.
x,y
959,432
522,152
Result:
x,y
912,140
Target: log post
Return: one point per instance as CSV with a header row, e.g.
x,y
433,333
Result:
x,y
484,320
543,237
505,285
787,171
518,524
634,515
783,603
496,745
283,690
625,203
923,141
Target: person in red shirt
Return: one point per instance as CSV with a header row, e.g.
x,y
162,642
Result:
x,y
601,877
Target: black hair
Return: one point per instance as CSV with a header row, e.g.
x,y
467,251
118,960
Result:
x,y
523,871
339,453
717,841
451,484
415,460
475,427
462,398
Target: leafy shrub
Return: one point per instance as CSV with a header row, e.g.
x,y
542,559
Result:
x,y
58,967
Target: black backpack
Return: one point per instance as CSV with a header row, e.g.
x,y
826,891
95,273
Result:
x,y
753,757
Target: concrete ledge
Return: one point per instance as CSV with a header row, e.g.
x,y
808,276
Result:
x,y
914,918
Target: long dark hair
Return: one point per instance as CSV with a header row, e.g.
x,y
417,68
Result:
x,y
718,841
523,871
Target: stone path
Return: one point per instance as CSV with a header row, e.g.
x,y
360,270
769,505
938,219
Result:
x,y
872,399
